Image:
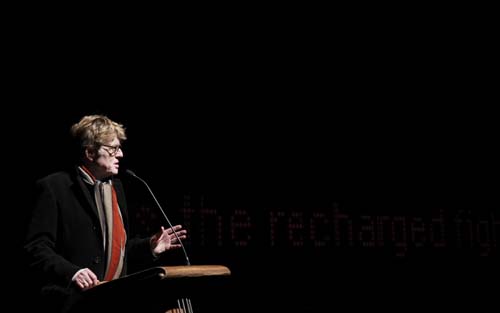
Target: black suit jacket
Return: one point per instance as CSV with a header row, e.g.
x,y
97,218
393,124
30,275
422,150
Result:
x,y
64,233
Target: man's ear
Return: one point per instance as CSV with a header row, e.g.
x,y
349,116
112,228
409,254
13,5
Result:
x,y
90,154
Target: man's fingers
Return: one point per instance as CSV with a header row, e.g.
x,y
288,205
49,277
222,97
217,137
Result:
x,y
174,228
92,275
88,278
94,278
179,233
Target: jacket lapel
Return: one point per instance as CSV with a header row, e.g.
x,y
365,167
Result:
x,y
86,199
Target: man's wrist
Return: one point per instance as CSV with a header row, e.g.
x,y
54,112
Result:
x,y
151,243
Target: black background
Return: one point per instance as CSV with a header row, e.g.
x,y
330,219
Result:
x,y
301,159
381,121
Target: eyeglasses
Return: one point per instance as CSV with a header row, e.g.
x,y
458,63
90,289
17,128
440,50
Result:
x,y
113,150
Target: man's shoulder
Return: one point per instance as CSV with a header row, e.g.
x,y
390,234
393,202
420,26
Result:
x,y
61,177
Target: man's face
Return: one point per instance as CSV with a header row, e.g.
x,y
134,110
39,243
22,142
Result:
x,y
108,159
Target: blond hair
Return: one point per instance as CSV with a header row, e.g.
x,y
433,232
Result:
x,y
96,130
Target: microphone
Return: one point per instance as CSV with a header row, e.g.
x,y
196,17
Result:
x,y
129,172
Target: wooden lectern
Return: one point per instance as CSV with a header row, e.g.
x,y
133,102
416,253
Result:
x,y
158,289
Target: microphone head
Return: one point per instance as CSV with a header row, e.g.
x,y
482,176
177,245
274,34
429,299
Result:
x,y
129,172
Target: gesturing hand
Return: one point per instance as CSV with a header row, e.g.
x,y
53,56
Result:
x,y
165,239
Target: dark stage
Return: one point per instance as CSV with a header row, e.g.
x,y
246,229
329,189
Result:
x,y
311,212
